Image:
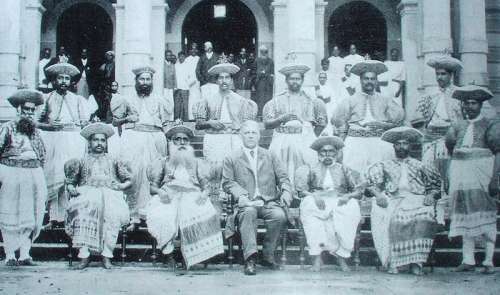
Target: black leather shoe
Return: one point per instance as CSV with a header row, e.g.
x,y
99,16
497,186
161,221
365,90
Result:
x,y
26,262
83,263
270,264
250,267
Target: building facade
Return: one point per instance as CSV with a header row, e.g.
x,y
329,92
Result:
x,y
139,31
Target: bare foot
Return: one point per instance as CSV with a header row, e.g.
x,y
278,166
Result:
x,y
343,264
317,264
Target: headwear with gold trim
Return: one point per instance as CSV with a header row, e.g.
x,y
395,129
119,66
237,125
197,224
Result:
x,y
97,128
223,66
372,66
22,96
143,69
62,69
472,92
292,66
179,128
393,135
321,141
445,61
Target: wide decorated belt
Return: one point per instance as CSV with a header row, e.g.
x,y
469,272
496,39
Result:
x,y
471,153
66,127
364,132
142,127
21,163
434,133
289,129
228,129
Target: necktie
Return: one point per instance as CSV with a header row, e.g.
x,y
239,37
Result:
x,y
252,154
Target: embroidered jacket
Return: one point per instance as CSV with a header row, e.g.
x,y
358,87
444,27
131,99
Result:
x,y
486,134
13,143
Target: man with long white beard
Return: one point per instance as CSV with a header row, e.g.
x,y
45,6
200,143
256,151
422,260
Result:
x,y
142,118
23,190
61,120
97,208
329,210
180,202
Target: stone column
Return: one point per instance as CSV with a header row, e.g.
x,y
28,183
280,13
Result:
x,y
320,32
136,46
302,36
119,43
32,22
158,22
280,42
10,50
492,25
473,44
409,22
436,36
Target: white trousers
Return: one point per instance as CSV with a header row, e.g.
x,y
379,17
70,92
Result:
x,y
468,246
13,240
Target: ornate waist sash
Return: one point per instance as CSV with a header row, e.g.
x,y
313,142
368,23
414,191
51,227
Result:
x,y
289,129
364,133
142,127
434,133
33,163
471,153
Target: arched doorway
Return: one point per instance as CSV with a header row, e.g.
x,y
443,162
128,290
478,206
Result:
x,y
238,29
85,25
359,23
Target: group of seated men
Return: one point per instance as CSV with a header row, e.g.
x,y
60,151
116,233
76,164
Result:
x,y
97,178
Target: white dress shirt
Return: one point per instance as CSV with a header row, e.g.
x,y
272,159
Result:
x,y
253,165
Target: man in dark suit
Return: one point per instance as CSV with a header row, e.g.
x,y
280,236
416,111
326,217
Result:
x,y
207,60
83,80
61,57
242,81
259,183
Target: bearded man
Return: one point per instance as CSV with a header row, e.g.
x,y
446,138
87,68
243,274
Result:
x,y
142,118
61,120
329,210
403,218
23,190
180,202
97,208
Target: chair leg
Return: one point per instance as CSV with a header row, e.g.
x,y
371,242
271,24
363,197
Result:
x,y
153,255
124,245
283,246
302,245
357,245
70,252
230,254
432,257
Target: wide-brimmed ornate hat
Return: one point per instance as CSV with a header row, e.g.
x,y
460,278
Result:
x,y
327,140
446,62
62,69
179,129
143,69
393,135
223,66
472,92
372,66
97,128
110,52
293,66
25,95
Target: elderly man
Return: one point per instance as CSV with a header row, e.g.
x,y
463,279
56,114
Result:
x,y
328,211
264,78
142,118
403,219
258,182
97,208
62,117
180,204
296,119
23,190
363,118
474,146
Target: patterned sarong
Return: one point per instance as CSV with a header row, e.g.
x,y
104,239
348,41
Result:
x,y
473,211
403,233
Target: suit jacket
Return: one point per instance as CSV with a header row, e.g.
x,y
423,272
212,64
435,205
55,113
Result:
x,y
204,64
87,68
238,177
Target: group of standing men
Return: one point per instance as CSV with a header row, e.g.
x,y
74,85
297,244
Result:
x,y
368,155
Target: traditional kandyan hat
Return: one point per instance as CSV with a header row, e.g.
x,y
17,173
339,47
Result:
x,y
292,66
472,92
62,69
97,128
25,95
373,66
179,129
223,66
327,140
445,61
144,69
412,135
